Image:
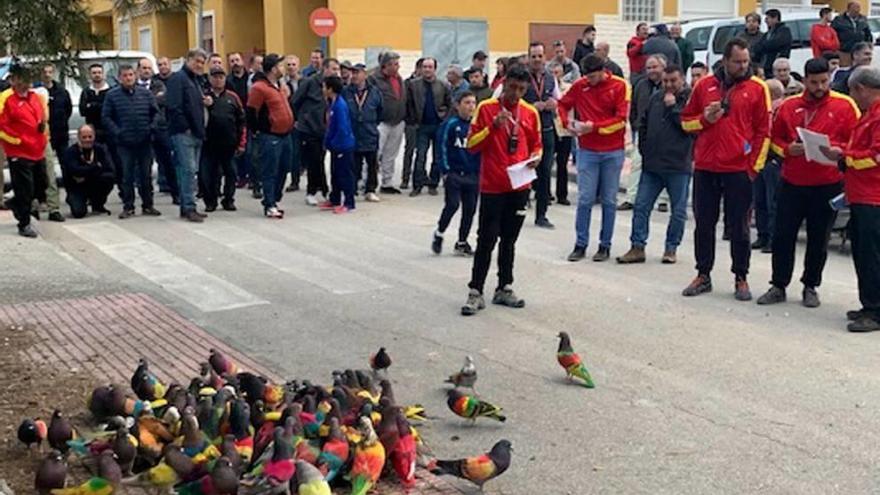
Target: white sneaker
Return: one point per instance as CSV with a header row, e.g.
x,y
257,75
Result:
x,y
274,212
311,200
372,197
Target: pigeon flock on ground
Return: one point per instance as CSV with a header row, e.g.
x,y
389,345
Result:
x,y
231,432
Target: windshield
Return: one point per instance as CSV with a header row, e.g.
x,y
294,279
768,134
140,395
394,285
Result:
x,y
699,37
723,35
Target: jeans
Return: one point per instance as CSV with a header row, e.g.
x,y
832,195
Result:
x,y
409,151
372,162
274,154
650,186
27,176
137,165
167,178
342,178
218,164
390,139
93,191
766,186
458,189
864,231
709,189
796,204
542,184
501,216
563,152
312,149
598,173
426,137
187,154
255,166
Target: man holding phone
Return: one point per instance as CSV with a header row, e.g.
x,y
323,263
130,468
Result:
x,y
505,131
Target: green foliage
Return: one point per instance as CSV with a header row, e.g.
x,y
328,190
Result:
x,y
45,29
134,6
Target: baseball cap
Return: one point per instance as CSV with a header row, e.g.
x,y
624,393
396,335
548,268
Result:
x,y
359,67
270,61
217,71
347,65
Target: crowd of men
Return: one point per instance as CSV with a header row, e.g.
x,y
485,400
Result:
x,y
732,133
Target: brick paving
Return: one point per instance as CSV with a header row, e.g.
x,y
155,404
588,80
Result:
x,y
106,335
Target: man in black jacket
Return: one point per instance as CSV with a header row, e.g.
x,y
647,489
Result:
x,y
60,110
88,174
775,43
161,142
585,46
185,112
91,101
543,94
365,106
851,27
310,108
224,138
666,153
129,115
428,103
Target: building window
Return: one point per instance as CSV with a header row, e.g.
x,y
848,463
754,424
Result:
x,y
125,34
639,10
875,9
145,39
207,43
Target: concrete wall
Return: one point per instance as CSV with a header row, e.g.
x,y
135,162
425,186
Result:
x,y
170,38
242,26
287,26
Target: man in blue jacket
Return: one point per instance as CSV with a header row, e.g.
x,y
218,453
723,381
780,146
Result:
x,y
185,112
339,141
461,170
129,116
365,105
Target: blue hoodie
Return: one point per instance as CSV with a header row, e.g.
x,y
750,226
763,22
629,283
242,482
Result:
x,y
339,137
452,141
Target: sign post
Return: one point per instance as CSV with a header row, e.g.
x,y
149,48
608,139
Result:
x,y
323,24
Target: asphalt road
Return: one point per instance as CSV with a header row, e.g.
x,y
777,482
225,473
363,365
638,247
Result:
x,y
704,395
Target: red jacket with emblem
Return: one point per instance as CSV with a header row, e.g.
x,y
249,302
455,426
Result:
x,y
20,118
740,139
834,115
605,104
862,177
491,142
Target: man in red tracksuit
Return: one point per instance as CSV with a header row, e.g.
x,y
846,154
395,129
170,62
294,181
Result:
x,y
23,121
862,187
807,186
505,131
634,53
730,114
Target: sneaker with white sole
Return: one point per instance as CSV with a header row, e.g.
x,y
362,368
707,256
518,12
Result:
x,y
273,212
506,297
372,197
311,200
475,302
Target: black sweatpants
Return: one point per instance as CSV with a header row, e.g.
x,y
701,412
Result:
x,y
217,163
27,176
796,204
544,171
501,216
864,230
93,191
563,153
371,158
460,189
313,157
736,190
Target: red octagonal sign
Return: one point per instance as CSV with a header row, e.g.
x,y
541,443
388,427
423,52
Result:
x,y
322,22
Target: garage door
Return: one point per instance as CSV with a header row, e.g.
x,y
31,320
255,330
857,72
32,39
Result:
x,y
548,33
453,41
696,9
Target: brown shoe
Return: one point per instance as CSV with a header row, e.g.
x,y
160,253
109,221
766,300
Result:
x,y
634,255
192,216
669,258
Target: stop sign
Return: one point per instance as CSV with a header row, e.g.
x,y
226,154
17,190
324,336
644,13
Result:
x,y
323,22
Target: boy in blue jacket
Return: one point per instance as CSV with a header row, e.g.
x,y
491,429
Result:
x,y
339,141
461,170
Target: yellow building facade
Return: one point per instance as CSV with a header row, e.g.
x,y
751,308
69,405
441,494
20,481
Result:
x,y
414,28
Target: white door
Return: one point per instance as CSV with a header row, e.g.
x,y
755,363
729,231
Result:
x,y
145,39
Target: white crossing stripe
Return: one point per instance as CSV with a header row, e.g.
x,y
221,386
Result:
x,y
174,274
285,258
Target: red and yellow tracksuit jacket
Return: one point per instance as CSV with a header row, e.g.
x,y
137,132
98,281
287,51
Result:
x,y
834,115
492,142
740,139
862,177
20,118
605,104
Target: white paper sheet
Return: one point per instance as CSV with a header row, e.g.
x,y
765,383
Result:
x,y
812,141
520,174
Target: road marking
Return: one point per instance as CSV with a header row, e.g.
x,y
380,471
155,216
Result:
x,y
285,258
174,274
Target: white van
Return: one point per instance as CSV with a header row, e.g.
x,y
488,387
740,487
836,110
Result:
x,y
800,24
